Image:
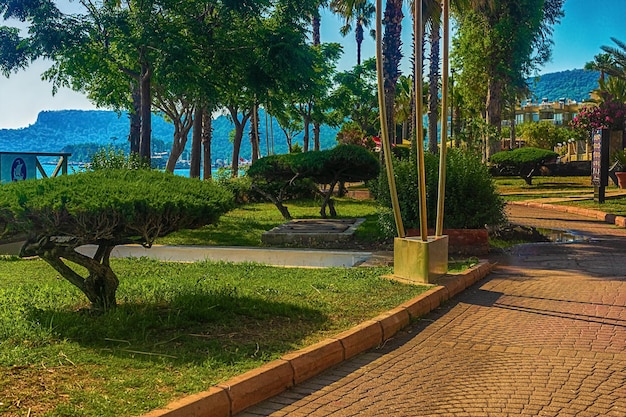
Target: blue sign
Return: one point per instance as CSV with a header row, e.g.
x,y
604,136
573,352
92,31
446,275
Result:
x,y
18,167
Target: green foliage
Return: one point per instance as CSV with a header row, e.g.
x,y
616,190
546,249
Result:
x,y
111,158
112,205
105,207
471,199
543,134
278,176
349,163
522,156
524,162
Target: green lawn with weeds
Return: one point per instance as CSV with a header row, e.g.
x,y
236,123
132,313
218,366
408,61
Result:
x,y
179,328
244,225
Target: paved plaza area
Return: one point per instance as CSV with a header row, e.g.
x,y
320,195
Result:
x,y
542,335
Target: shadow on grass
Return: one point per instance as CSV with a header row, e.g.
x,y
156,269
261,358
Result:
x,y
223,328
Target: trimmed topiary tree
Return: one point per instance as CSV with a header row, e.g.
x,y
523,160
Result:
x,y
277,176
105,208
341,164
275,179
524,162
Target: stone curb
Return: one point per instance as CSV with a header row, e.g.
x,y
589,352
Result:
x,y
594,214
235,395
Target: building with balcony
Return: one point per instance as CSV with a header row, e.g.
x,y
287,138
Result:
x,y
559,112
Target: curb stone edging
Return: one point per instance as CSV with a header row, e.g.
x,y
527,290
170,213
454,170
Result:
x,y
238,393
592,213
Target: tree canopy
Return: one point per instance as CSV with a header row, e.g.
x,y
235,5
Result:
x,y
105,208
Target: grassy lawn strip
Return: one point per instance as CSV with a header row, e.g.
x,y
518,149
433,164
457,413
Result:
x,y
548,186
244,225
514,189
615,206
179,329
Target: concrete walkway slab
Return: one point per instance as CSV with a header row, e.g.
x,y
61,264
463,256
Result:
x,y
310,258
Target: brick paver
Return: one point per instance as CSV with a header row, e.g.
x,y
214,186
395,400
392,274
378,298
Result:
x,y
543,335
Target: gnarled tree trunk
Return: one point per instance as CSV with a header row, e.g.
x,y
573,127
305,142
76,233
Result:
x,y
100,284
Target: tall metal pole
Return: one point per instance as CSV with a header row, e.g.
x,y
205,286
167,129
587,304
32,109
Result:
x,y
444,120
418,36
395,204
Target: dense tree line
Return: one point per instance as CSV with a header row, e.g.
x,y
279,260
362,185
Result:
x,y
187,59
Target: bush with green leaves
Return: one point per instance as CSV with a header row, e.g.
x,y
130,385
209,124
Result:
x,y
105,208
112,158
524,162
543,134
279,175
471,199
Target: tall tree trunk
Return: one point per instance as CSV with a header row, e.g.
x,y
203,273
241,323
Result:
x,y
239,128
316,136
433,86
392,55
493,115
315,28
207,134
182,126
513,133
134,136
307,134
146,113
254,133
196,144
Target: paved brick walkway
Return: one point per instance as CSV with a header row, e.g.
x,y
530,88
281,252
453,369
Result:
x,y
543,335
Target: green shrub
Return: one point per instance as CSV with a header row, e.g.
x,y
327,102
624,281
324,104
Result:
x,y
524,162
277,177
471,199
111,158
105,208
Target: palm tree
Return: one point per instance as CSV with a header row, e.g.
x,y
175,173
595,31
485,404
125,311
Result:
x,y
432,12
601,62
404,104
617,64
359,11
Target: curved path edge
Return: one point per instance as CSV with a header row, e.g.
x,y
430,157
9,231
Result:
x,y
240,392
592,213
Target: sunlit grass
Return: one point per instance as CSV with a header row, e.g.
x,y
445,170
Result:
x,y
179,328
244,226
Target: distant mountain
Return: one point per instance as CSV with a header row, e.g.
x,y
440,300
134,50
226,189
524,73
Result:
x,y
63,130
572,84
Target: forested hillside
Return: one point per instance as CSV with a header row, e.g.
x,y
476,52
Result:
x,y
80,132
572,84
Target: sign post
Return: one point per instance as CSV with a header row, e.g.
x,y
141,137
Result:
x,y
600,164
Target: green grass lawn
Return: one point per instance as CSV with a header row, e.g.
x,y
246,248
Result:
x,y
543,186
179,329
514,189
244,225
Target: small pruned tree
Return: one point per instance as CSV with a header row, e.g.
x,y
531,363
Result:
x,y
278,176
524,162
341,164
273,177
104,208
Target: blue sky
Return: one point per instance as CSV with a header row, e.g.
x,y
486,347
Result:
x,y
577,39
